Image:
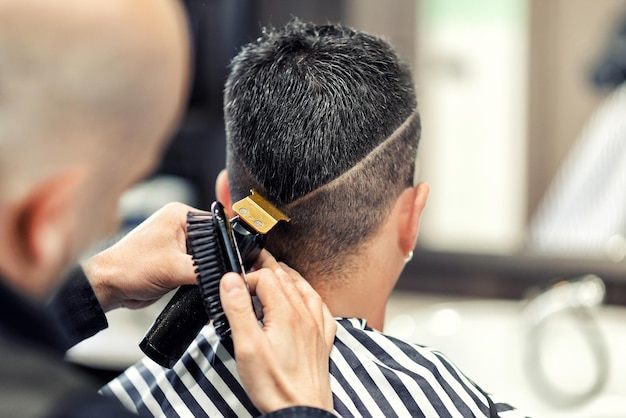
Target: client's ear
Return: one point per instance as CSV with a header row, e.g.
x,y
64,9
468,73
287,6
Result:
x,y
222,192
413,208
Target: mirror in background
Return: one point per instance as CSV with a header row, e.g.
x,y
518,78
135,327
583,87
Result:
x,y
522,126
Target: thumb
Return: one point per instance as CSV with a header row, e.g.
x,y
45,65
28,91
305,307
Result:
x,y
237,305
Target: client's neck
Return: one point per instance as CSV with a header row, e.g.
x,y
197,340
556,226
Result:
x,y
364,290
348,301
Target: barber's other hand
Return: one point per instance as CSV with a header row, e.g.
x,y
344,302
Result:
x,y
284,363
147,263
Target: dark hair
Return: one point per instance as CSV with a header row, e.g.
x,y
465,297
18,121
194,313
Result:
x,y
309,112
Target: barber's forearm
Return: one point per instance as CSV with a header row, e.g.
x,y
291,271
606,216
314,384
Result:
x,y
76,308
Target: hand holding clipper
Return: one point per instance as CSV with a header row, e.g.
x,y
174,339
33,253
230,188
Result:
x,y
217,246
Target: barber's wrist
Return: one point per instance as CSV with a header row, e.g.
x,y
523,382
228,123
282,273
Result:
x,y
300,412
100,271
76,309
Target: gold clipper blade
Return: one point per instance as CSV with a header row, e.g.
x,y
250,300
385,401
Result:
x,y
257,212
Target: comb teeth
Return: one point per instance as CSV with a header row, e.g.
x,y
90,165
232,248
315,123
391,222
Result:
x,y
208,257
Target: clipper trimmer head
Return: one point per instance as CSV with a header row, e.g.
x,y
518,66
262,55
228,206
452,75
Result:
x,y
258,213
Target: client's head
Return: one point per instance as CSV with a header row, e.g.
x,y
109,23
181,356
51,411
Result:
x,y
322,121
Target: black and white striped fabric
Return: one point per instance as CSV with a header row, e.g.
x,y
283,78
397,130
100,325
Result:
x,y
372,375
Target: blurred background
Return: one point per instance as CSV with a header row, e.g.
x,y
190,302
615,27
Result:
x,y
519,274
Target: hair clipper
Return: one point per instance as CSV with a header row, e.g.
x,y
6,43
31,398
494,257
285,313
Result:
x,y
217,246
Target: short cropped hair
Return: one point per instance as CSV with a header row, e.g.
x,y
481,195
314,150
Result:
x,y
322,121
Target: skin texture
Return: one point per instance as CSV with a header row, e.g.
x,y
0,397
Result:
x,y
91,92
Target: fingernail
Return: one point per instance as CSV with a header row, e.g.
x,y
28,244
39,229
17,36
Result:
x,y
232,282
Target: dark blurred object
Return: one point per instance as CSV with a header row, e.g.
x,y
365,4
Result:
x,y
504,276
218,28
611,71
197,151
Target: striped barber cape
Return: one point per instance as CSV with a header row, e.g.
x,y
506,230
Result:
x,y
372,375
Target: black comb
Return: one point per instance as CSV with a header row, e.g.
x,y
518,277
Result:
x,y
209,239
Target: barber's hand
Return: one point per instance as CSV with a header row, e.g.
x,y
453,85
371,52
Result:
x,y
147,263
285,363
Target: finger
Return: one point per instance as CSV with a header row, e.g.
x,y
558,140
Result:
x,y
264,259
267,261
296,277
310,297
266,285
186,271
237,306
290,288
312,300
330,327
315,304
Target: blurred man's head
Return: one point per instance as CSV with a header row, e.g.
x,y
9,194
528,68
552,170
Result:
x,y
91,91
321,120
